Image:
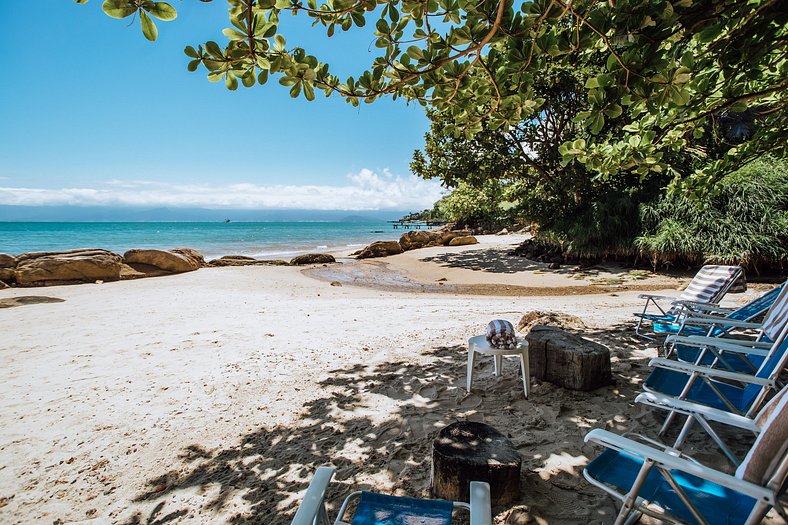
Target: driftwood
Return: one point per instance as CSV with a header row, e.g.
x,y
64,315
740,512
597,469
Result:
x,y
468,451
567,360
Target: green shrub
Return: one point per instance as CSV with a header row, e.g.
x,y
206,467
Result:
x,y
745,222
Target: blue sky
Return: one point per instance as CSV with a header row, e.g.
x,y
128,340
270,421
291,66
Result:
x,y
94,114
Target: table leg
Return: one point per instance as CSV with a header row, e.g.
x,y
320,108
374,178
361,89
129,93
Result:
x,y
525,369
469,375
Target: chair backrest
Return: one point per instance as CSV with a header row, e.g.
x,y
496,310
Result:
x,y
771,367
712,282
777,316
757,306
768,453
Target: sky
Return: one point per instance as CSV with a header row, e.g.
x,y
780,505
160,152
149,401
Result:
x,y
91,113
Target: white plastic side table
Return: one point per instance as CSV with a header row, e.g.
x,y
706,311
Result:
x,y
479,344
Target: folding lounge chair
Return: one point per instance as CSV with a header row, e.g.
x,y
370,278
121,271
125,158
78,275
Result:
x,y
721,327
380,509
662,483
735,392
712,320
705,416
708,286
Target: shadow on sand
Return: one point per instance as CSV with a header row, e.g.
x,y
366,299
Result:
x,y
376,423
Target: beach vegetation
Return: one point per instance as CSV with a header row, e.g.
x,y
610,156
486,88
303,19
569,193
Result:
x,y
679,72
745,222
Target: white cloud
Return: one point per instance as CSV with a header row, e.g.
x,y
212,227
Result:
x,y
366,190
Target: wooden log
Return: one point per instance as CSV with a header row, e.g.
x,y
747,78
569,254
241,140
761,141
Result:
x,y
468,451
567,360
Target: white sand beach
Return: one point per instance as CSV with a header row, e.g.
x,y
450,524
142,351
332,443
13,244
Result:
x,y
211,396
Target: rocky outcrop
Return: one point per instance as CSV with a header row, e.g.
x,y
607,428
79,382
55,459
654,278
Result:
x,y
170,261
189,253
243,260
71,266
313,258
556,319
416,239
448,236
7,261
380,249
463,241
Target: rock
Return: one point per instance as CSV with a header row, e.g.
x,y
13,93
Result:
x,y
313,258
447,236
3,285
415,239
463,241
380,249
336,283
567,360
559,320
553,266
503,232
169,261
7,261
7,275
189,253
71,266
243,260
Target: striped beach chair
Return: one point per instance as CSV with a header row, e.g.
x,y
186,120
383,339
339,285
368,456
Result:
x,y
708,287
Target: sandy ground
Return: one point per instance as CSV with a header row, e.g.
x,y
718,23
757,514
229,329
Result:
x,y
211,397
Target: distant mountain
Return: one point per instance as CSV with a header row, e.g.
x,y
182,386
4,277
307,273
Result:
x,y
111,214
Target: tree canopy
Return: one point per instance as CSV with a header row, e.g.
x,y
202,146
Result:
x,y
678,70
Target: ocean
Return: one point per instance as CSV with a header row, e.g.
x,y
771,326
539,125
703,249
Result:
x,y
262,240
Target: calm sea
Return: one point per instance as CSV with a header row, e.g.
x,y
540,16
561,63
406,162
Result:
x,y
264,240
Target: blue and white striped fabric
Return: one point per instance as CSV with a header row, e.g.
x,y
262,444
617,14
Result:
x,y
500,334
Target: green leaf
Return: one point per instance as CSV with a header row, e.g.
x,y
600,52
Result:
x,y
262,78
148,27
295,90
119,8
613,111
279,43
193,65
309,92
248,79
230,81
213,48
232,34
191,52
162,11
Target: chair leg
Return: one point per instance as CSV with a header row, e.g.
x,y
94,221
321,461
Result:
x,y
498,364
628,507
469,375
524,369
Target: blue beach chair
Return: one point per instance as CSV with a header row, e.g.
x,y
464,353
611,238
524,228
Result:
x,y
708,287
662,483
381,509
736,392
720,327
711,320
705,416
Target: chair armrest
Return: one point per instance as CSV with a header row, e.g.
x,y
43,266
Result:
x,y
655,297
688,408
704,306
714,373
671,462
709,320
313,499
481,512
741,346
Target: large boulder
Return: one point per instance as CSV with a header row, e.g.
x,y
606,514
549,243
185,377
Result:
x,y
380,249
7,275
170,261
448,235
463,240
415,239
7,261
71,266
313,258
243,260
189,253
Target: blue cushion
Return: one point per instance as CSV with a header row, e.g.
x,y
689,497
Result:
x,y
380,509
717,504
672,382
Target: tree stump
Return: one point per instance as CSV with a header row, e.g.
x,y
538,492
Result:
x,y
468,451
567,360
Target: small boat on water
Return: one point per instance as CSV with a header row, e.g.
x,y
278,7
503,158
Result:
x,y
227,220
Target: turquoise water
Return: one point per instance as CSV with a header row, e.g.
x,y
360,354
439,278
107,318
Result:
x,y
264,240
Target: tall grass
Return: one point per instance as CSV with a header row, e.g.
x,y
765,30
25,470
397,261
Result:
x,y
745,222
